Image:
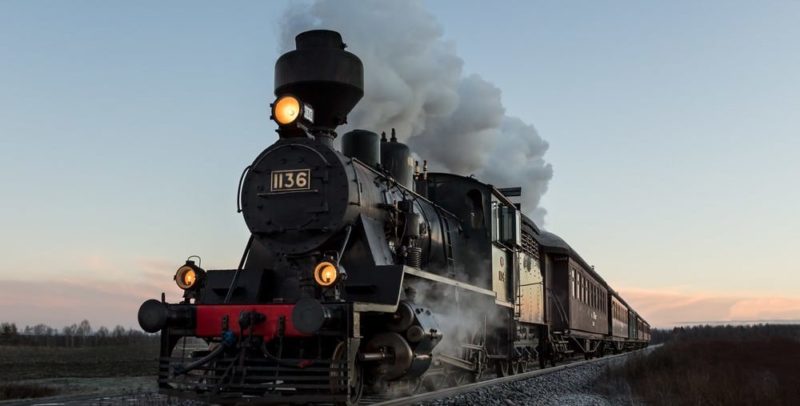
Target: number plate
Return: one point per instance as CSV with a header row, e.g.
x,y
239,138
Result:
x,y
295,179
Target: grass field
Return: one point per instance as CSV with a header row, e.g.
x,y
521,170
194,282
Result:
x,y
754,369
23,363
38,371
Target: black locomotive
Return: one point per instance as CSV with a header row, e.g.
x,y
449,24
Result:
x,y
365,273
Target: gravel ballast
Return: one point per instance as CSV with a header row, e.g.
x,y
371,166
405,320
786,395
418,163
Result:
x,y
572,386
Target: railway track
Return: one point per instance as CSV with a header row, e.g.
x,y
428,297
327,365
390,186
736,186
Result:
x,y
457,390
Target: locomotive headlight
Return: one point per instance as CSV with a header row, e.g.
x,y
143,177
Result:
x,y
326,274
288,110
188,276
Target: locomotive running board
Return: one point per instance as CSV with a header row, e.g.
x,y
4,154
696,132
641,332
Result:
x,y
438,278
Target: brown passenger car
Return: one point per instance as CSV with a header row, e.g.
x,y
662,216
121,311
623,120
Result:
x,y
577,302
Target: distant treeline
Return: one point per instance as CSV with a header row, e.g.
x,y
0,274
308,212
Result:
x,y
75,335
752,332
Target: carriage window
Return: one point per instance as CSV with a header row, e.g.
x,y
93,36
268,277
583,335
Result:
x,y
572,283
586,292
583,289
582,286
596,298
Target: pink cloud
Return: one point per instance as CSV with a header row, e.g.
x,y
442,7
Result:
x,y
59,303
777,308
666,308
104,287
109,299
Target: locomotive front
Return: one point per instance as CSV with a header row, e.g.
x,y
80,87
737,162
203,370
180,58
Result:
x,y
284,322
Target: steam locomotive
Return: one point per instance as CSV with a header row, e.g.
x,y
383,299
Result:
x,y
365,273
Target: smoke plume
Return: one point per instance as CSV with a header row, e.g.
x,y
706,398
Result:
x,y
414,82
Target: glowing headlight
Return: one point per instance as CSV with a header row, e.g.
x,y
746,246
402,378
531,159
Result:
x,y
286,110
326,274
186,277
289,110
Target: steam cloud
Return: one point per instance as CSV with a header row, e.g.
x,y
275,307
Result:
x,y
414,82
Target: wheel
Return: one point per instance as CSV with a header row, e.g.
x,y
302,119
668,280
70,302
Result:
x,y
355,390
479,360
503,368
476,376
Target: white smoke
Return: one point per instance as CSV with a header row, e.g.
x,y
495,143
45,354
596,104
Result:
x,y
414,82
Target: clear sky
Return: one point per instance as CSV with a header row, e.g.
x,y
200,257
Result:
x,y
674,132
